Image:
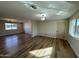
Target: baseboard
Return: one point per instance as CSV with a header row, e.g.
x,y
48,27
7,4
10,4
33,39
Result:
x,y
46,35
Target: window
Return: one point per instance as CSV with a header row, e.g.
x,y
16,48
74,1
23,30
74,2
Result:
x,y
77,27
10,26
74,27
14,26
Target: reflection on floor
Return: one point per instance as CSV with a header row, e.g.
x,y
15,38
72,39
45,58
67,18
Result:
x,y
46,52
22,45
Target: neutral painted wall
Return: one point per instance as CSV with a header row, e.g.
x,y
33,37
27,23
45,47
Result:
x,y
43,28
34,28
48,28
74,42
7,32
28,27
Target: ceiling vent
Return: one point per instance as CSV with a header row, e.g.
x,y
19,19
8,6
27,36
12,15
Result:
x,y
33,6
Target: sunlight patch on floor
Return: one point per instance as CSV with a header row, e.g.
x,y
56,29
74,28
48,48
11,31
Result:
x,y
46,52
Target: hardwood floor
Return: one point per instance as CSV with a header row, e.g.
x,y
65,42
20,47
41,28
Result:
x,y
64,50
24,46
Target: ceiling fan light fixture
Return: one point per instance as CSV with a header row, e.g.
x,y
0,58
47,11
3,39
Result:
x,y
43,15
42,18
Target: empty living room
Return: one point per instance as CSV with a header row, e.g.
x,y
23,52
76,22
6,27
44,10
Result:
x,y
39,29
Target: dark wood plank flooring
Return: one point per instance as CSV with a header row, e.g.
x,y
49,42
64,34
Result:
x,y
24,46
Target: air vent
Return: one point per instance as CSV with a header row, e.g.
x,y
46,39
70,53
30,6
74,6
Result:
x,y
33,6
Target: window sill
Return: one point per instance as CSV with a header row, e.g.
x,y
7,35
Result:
x,y
75,36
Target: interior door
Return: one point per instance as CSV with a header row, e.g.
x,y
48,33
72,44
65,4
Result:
x,y
60,33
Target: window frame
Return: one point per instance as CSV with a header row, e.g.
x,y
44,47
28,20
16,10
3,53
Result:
x,y
11,25
73,28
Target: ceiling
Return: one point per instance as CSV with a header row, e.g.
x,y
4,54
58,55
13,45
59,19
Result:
x,y
54,10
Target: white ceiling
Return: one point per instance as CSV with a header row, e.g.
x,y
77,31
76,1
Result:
x,y
55,10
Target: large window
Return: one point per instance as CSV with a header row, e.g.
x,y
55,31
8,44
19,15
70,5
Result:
x,y
74,27
77,27
10,26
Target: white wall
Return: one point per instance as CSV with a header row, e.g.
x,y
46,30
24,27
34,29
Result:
x,y
48,28
34,28
28,27
43,28
74,42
